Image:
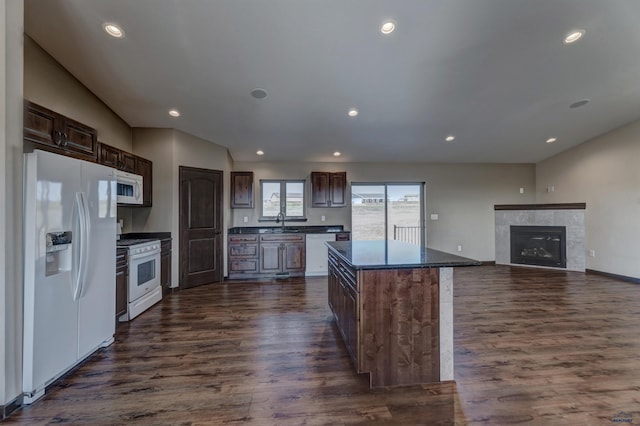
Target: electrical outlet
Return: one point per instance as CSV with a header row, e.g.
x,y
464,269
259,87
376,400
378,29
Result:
x,y
434,216
522,190
245,219
592,253
323,218
459,247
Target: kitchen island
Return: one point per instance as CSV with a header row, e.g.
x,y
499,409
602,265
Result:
x,y
393,304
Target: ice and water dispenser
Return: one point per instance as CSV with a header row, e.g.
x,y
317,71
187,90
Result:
x,y
58,258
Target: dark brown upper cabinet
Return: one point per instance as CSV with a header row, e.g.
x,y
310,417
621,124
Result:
x,y
144,168
54,132
116,158
328,189
241,190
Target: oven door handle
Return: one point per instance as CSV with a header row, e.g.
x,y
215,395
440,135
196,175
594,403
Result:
x,y
149,254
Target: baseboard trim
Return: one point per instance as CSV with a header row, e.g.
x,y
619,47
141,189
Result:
x,y
616,276
6,410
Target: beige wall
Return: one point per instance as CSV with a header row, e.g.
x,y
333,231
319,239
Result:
x,y
169,149
158,145
604,173
48,84
463,196
11,83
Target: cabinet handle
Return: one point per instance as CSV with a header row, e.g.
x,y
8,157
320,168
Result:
x,y
64,139
57,137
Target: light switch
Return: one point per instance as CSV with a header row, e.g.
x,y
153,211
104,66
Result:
x,y
434,216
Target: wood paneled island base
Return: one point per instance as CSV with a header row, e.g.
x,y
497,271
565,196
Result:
x,y
393,304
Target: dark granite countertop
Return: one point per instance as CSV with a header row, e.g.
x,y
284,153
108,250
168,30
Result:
x,y
332,229
394,255
146,236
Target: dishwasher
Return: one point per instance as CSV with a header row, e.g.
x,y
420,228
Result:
x,y
317,254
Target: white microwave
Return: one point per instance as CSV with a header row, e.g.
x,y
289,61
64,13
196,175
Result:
x,y
129,188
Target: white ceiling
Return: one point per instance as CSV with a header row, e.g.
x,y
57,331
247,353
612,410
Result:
x,y
494,73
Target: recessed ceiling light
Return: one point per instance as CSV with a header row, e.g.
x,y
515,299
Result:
x,y
259,93
260,152
352,112
450,138
573,36
552,140
580,103
337,154
174,113
113,30
387,27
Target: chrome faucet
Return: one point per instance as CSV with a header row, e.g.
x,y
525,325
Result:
x,y
279,218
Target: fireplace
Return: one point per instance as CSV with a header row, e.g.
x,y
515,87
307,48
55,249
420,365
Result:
x,y
539,245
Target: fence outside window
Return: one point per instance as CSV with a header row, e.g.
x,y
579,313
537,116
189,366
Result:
x,y
408,234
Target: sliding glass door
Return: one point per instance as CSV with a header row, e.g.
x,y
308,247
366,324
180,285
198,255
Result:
x,y
388,211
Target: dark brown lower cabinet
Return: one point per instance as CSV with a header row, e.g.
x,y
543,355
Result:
x,y
244,256
165,265
283,254
389,321
263,256
343,299
122,277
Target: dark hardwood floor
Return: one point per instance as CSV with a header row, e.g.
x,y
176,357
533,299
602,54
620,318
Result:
x,y
532,346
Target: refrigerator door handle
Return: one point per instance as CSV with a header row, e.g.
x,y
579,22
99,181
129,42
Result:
x,y
77,247
83,219
87,243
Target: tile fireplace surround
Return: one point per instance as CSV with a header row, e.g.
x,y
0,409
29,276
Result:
x,y
570,216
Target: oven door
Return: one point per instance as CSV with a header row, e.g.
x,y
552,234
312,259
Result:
x,y
144,273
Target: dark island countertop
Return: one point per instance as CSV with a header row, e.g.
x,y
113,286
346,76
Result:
x,y
332,229
394,255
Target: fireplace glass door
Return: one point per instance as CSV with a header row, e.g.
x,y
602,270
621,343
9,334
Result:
x,y
539,245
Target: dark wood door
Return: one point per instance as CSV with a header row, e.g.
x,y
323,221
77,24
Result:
x,y
40,125
338,189
144,168
200,227
241,190
108,155
271,257
294,257
128,162
79,139
122,274
320,194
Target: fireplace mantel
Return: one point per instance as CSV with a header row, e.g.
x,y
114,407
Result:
x,y
562,206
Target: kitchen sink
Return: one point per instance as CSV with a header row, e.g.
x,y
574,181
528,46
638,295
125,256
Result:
x,y
282,231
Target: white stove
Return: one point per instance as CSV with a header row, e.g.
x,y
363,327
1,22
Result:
x,y
144,288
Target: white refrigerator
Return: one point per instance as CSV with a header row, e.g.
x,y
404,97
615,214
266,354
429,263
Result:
x,y
69,270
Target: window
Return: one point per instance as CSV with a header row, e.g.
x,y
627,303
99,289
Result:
x,y
388,211
286,196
